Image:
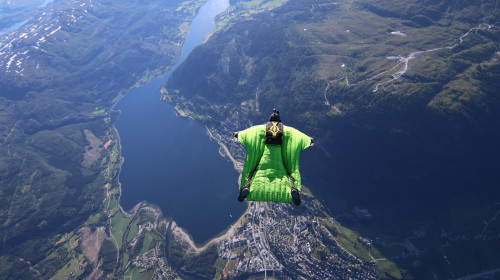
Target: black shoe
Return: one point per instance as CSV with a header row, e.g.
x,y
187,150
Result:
x,y
296,197
243,194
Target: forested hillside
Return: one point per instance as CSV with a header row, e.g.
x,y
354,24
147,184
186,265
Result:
x,y
60,75
403,100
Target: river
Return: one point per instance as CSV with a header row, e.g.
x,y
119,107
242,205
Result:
x,y
14,27
170,161
25,12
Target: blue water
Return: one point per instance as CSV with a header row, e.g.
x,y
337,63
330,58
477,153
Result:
x,y
26,12
14,27
46,3
170,161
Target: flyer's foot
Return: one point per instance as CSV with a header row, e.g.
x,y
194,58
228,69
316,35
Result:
x,y
243,194
296,197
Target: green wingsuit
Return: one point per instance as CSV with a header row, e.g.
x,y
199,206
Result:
x,y
270,181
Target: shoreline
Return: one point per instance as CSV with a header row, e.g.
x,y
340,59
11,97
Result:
x,y
181,233
238,166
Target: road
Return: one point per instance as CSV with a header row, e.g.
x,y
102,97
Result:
x,y
480,275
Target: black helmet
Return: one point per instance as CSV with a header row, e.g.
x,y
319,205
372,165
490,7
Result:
x,y
275,116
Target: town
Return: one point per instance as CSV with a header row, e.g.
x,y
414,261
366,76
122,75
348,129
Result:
x,y
279,239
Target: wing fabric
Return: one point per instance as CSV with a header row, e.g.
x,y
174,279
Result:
x,y
254,139
294,142
270,181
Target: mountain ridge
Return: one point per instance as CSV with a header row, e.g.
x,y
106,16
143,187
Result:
x,y
400,98
368,143
61,73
